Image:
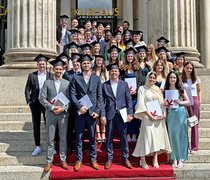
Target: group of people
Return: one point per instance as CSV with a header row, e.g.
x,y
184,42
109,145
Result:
x,y
93,73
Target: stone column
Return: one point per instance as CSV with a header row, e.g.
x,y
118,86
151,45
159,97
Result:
x,y
176,20
31,30
128,12
205,32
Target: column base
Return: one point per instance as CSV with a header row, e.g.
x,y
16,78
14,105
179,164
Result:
x,y
22,58
192,55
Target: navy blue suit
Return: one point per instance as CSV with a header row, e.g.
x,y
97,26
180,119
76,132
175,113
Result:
x,y
93,89
110,109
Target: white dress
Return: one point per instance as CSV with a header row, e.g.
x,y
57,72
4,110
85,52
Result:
x,y
153,135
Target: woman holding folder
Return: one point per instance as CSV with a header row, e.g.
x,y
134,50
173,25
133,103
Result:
x,y
176,100
153,137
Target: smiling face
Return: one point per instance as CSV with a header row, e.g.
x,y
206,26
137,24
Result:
x,y
99,61
114,55
114,74
42,65
129,58
86,65
58,70
159,67
172,79
152,79
188,69
180,61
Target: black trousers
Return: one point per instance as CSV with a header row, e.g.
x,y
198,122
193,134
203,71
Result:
x,y
36,110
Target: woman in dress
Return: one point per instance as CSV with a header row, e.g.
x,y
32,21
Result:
x,y
191,83
153,137
177,121
100,70
130,69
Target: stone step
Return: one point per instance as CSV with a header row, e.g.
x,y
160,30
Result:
x,y
22,172
205,107
17,125
21,158
14,109
201,156
193,171
20,135
20,146
204,123
204,132
15,117
204,143
205,115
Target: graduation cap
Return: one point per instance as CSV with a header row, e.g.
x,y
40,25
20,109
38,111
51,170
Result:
x,y
57,62
85,57
142,48
181,54
63,55
130,42
112,66
113,48
72,45
117,33
106,31
99,55
74,31
161,49
64,16
94,42
41,57
130,51
137,32
75,56
127,32
162,39
85,47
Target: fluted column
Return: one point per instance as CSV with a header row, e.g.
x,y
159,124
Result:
x,y
175,19
128,12
31,30
205,32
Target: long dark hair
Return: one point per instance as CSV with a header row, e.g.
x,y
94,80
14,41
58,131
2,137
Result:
x,y
178,84
193,76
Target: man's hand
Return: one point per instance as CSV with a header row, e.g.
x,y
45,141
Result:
x,y
103,120
83,110
94,115
130,118
58,110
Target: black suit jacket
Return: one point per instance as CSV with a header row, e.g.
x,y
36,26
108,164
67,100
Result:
x,y
79,88
32,87
111,103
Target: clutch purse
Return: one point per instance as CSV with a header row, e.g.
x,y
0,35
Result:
x,y
192,121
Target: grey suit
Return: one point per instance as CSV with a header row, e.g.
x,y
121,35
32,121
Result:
x,y
48,92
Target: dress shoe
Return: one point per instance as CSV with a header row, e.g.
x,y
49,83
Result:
x,y
77,166
108,165
37,151
127,164
143,164
94,165
47,167
64,165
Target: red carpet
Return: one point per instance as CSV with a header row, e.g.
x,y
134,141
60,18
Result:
x,y
117,171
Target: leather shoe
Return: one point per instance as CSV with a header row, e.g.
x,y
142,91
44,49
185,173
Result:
x,y
127,164
94,165
47,167
64,165
108,165
77,166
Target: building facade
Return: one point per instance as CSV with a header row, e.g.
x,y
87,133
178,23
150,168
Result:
x,y
29,27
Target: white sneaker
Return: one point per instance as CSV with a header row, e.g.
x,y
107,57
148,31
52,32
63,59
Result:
x,y
128,138
133,138
37,151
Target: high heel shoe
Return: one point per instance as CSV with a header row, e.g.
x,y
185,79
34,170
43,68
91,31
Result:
x,y
155,164
143,164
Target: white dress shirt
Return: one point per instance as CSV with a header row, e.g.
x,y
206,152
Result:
x,y
57,83
114,87
41,79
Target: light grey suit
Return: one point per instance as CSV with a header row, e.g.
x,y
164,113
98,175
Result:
x,y
48,92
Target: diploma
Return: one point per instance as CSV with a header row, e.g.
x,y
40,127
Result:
x,y
124,114
60,100
86,102
154,108
170,96
131,83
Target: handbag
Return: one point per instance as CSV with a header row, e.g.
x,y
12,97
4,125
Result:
x,y
193,120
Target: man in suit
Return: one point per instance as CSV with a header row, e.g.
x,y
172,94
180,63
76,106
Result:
x,y
56,113
32,90
116,96
88,84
